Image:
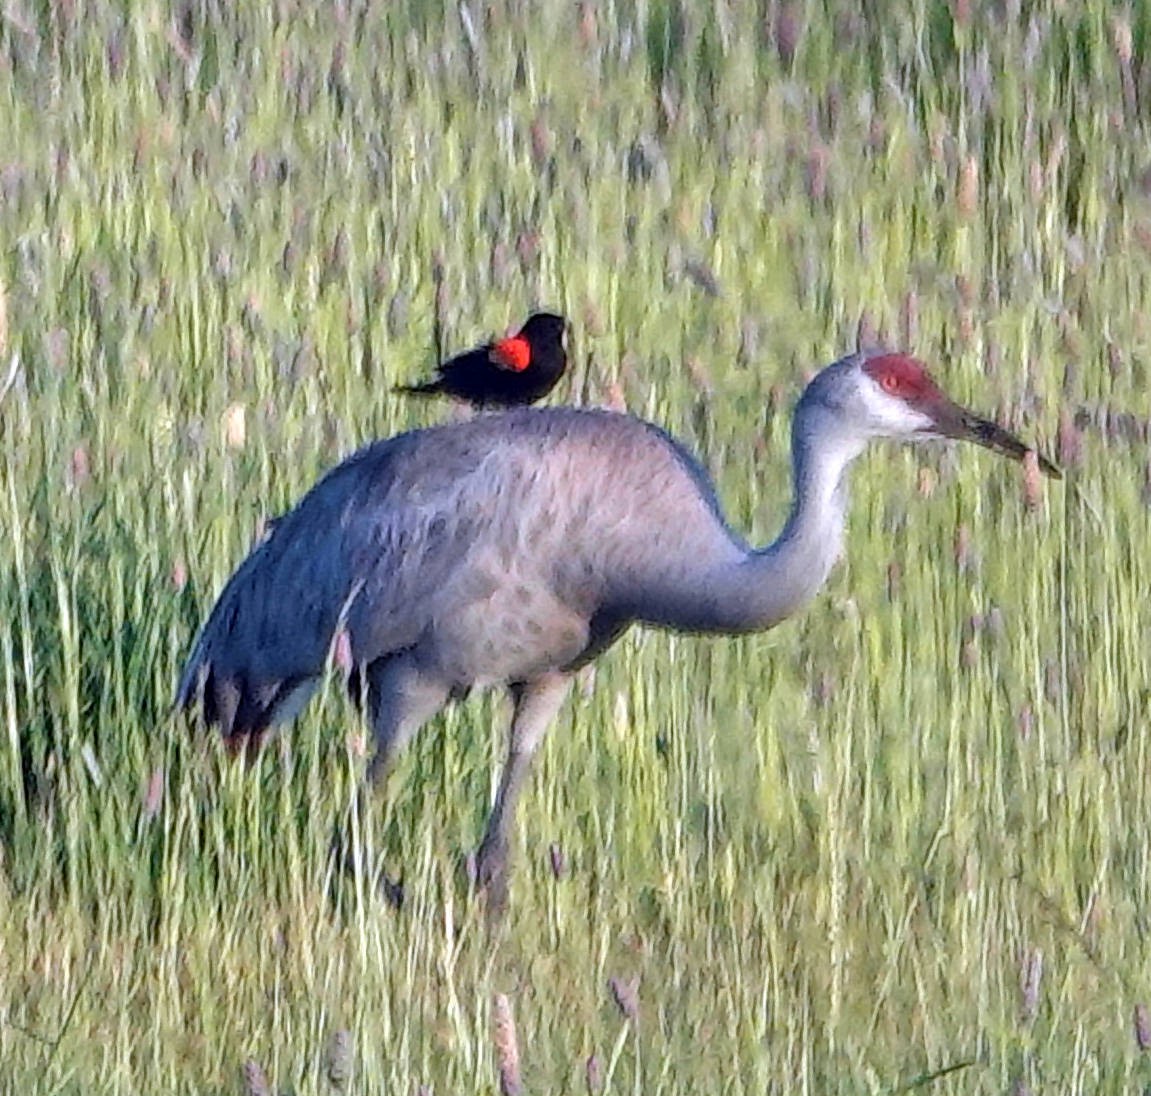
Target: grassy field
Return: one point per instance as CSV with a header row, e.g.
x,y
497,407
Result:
x,y
901,843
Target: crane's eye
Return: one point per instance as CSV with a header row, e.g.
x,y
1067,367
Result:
x,y
890,382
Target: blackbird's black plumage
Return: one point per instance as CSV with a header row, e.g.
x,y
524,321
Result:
x,y
509,372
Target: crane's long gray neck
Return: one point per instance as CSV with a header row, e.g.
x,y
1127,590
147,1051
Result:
x,y
787,574
769,584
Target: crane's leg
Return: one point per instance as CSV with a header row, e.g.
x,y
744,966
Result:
x,y
536,705
400,699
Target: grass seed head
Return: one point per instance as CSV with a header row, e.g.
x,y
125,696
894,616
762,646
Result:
x,y
967,196
787,32
340,1059
1032,481
1142,1027
235,426
1030,979
255,1079
79,467
558,862
1070,445
593,1074
507,1047
625,993
153,797
1121,39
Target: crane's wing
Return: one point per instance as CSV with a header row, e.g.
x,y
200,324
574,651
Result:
x,y
366,549
593,511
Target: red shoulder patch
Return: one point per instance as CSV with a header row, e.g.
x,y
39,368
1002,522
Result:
x,y
901,375
514,353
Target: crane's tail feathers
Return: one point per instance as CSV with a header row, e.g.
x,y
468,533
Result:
x,y
245,712
192,681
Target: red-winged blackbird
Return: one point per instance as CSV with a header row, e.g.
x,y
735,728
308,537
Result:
x,y
506,372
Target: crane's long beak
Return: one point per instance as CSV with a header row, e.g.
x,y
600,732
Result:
x,y
953,421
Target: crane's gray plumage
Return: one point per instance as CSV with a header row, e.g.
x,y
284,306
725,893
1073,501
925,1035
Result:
x,y
484,549
514,548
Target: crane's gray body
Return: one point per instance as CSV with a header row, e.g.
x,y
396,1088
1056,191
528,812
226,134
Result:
x,y
516,547
486,552
511,549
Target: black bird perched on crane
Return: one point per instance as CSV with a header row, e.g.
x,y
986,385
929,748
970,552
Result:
x,y
514,548
509,372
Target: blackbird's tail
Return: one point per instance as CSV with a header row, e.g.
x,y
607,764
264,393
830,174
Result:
x,y
428,388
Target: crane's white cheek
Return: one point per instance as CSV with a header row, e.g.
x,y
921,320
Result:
x,y
890,417
906,422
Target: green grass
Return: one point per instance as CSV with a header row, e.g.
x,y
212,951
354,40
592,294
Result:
x,y
831,854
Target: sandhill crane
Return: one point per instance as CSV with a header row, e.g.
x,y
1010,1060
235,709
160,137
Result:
x,y
515,548
507,372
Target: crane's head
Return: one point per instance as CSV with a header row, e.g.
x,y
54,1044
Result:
x,y
884,395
